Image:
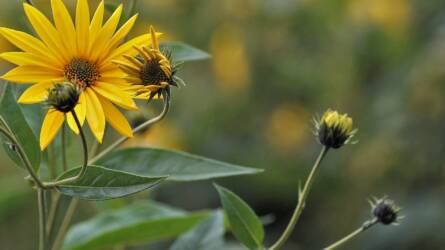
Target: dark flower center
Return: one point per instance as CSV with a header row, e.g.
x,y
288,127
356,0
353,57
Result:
x,y
152,74
81,72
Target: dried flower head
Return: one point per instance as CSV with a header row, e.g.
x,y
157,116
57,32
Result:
x,y
63,97
151,72
385,211
334,130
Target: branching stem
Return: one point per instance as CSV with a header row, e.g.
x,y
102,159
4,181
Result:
x,y
302,195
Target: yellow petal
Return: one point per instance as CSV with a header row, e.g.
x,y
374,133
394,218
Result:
x,y
46,32
115,118
24,58
128,67
138,64
51,125
29,44
134,80
112,72
95,115
143,96
120,34
115,81
36,93
128,47
96,23
106,33
115,94
64,25
80,110
82,26
154,39
31,74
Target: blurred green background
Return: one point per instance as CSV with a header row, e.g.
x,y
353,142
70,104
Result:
x,y
274,65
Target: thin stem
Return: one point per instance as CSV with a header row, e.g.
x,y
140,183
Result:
x,y
23,156
94,148
133,7
65,225
301,202
139,128
63,148
42,219
350,236
55,202
85,158
52,161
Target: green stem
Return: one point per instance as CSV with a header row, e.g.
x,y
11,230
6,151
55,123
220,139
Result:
x,y
42,219
301,202
73,203
139,128
85,158
133,7
23,156
55,202
52,161
58,242
352,235
94,148
63,148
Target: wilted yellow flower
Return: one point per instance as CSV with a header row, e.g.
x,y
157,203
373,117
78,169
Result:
x,y
151,72
80,52
333,129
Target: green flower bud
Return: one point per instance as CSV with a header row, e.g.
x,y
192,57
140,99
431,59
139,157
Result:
x,y
63,97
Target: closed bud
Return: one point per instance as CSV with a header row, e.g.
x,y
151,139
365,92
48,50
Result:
x,y
334,130
385,211
63,97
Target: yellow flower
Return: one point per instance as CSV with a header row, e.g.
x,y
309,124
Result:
x,y
151,72
334,130
80,52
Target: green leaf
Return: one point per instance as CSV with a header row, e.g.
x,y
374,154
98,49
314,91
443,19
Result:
x,y
141,222
178,166
208,235
244,223
12,115
101,183
182,52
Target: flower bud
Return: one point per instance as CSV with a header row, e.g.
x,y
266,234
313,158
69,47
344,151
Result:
x,y
334,130
63,97
385,211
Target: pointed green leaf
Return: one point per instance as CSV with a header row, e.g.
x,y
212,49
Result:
x,y
178,166
244,223
100,183
182,52
208,235
141,222
12,115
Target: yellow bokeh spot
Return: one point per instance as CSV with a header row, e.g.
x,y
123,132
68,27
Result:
x,y
230,62
287,128
393,15
164,135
